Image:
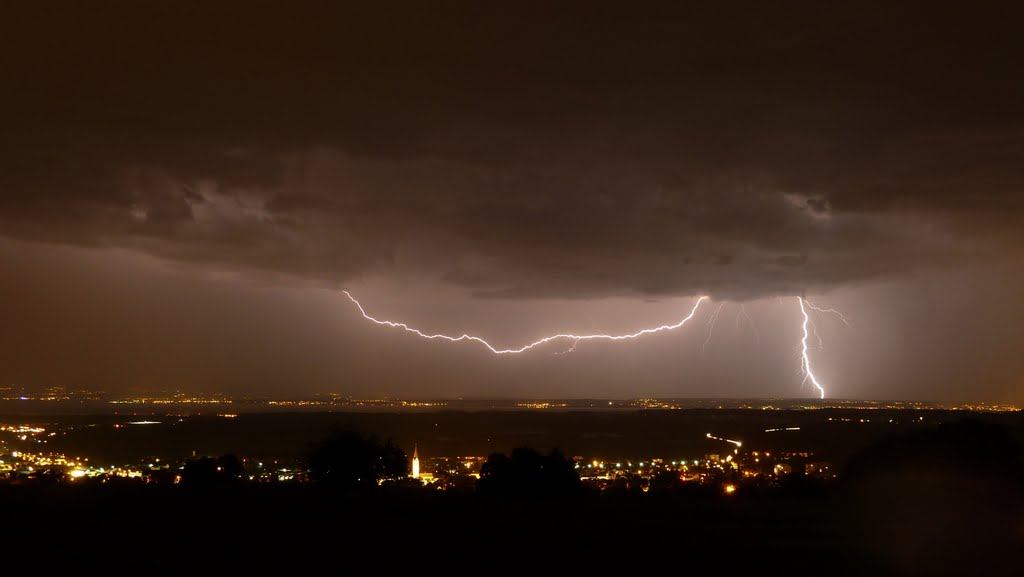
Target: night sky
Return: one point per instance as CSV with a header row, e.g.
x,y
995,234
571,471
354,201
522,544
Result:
x,y
185,188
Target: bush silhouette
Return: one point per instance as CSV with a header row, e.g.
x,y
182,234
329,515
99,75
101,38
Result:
x,y
348,459
209,471
527,472
938,500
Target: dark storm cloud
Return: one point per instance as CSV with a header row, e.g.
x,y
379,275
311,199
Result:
x,y
523,150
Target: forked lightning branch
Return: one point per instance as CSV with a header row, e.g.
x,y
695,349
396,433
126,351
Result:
x,y
576,339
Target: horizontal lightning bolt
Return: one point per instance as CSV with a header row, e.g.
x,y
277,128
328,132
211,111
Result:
x,y
805,361
576,338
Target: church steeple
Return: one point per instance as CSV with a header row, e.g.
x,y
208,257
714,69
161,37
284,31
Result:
x,y
415,462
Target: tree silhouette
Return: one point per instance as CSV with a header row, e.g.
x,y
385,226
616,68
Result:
x,y
207,471
939,500
527,472
349,459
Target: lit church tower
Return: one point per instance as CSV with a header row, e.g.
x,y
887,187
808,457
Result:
x,y
415,463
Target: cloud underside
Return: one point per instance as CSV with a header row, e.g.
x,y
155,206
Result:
x,y
642,158
523,231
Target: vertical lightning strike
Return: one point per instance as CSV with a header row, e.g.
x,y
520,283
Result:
x,y
805,361
712,320
576,338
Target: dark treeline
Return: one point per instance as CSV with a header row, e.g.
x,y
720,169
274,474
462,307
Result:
x,y
943,500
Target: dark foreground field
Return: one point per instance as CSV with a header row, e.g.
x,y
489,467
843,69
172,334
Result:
x,y
948,527
914,497
299,525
